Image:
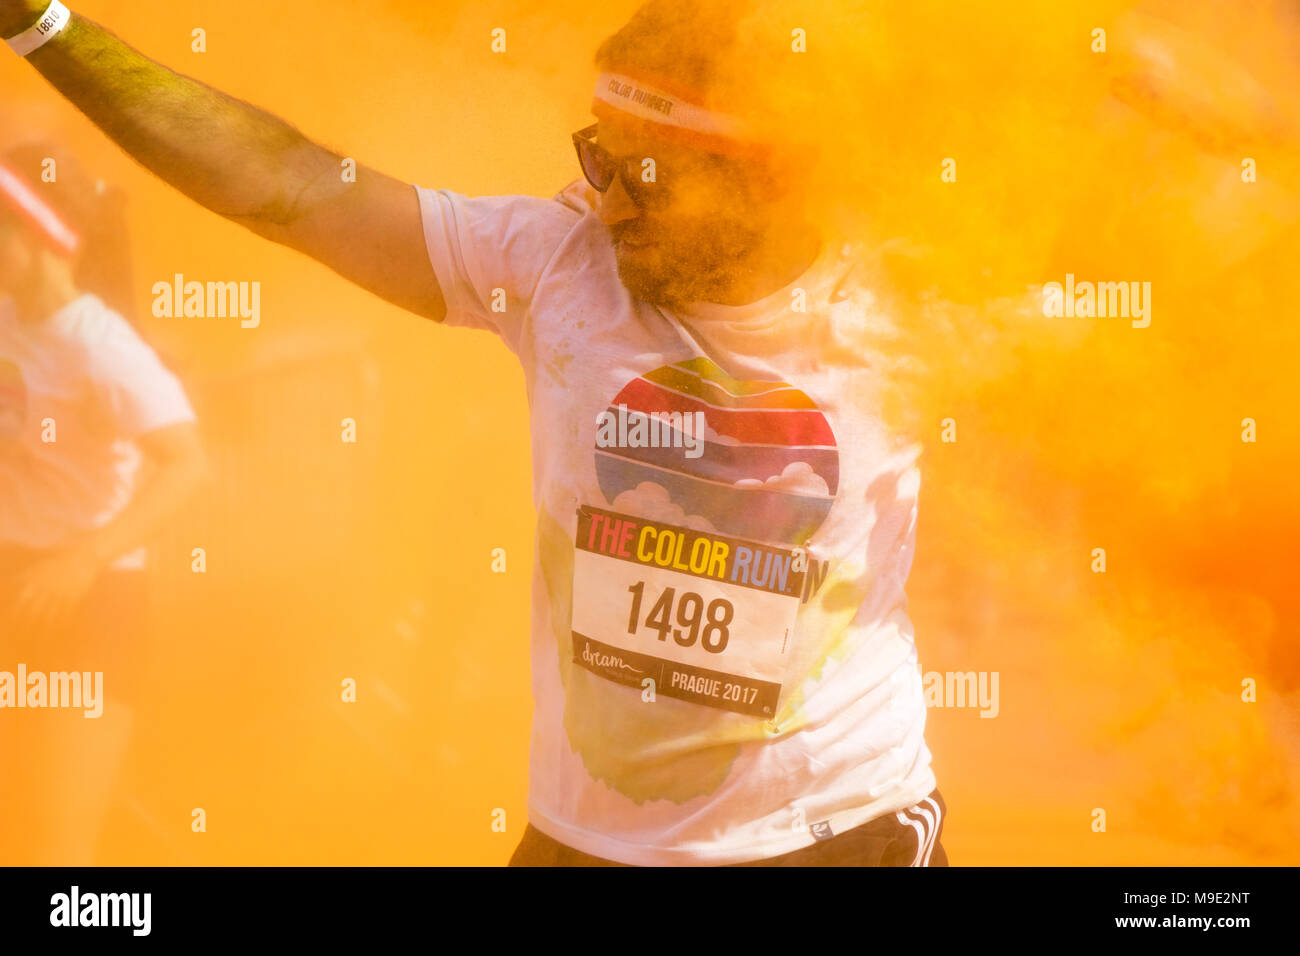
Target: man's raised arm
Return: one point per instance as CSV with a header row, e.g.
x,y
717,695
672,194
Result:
x,y
240,162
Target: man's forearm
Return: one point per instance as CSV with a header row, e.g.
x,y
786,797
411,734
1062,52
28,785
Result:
x,y
161,495
241,162
232,158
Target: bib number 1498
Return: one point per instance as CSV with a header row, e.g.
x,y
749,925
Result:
x,y
706,623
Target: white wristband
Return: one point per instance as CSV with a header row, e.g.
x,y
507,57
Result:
x,y
51,22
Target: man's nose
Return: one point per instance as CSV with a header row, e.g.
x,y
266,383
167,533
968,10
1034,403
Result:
x,y
616,205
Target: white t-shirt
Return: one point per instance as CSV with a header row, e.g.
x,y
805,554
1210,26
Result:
x,y
703,695
84,377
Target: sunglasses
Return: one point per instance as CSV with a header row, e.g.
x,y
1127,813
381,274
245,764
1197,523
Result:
x,y
600,167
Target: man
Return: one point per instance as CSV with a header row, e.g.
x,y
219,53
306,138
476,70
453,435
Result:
x,y
723,667
99,450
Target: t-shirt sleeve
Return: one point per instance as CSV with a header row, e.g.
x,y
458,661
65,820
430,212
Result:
x,y
139,394
488,254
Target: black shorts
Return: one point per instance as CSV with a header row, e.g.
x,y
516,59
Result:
x,y
107,632
908,837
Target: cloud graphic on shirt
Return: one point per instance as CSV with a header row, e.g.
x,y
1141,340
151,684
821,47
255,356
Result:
x,y
797,478
717,437
653,502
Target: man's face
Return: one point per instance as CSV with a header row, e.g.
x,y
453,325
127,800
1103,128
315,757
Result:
x,y
697,223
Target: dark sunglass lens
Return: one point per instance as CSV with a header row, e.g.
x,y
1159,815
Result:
x,y
596,165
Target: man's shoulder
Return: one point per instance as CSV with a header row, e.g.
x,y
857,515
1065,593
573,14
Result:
x,y
571,204
531,228
578,197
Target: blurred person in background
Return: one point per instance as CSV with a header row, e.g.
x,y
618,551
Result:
x,y
99,448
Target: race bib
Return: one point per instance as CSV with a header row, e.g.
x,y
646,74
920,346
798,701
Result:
x,y
708,618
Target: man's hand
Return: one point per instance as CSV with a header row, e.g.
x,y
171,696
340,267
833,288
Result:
x,y
48,594
19,15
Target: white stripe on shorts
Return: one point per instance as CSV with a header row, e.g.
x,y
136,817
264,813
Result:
x,y
920,834
927,828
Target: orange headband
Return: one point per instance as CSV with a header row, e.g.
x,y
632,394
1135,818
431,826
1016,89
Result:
x,y
674,112
36,213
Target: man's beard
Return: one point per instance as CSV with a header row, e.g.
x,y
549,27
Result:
x,y
658,286
678,272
